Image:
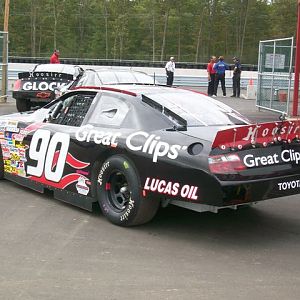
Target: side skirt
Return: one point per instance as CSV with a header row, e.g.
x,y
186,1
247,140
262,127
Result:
x,y
81,201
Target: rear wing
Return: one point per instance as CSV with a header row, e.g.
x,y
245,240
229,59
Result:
x,y
45,75
257,134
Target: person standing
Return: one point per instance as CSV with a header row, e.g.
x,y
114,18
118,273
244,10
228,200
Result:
x,y
54,59
170,69
211,76
220,67
236,78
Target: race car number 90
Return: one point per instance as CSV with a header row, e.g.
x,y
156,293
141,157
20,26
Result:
x,y
42,150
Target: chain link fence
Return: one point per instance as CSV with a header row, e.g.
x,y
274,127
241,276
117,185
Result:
x,y
275,63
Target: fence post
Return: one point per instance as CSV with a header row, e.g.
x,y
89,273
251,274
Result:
x,y
297,66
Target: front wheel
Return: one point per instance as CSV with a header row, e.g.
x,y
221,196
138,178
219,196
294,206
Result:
x,y
23,104
119,193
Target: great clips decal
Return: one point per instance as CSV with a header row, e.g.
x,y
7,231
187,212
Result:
x,y
263,134
285,156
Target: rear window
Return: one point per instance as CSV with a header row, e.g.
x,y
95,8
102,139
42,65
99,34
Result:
x,y
108,77
143,78
197,109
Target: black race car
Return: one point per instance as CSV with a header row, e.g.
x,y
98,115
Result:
x,y
132,148
39,85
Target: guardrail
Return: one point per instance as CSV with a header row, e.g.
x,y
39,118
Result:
x,y
200,81
116,62
179,80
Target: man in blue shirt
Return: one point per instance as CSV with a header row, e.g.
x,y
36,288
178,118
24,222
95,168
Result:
x,y
220,67
236,78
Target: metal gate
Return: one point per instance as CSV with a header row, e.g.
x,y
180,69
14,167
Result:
x,y
3,64
274,84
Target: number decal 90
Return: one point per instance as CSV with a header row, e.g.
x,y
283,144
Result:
x,y
42,150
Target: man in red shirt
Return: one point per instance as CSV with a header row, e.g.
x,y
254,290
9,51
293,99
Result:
x,y
211,76
54,59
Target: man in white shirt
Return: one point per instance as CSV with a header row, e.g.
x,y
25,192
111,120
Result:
x,y
170,69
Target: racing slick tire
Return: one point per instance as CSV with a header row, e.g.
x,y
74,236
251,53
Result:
x,y
119,193
1,165
23,104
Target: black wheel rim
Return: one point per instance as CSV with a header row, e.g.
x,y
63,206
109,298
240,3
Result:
x,y
118,191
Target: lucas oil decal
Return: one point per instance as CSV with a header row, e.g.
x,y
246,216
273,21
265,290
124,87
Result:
x,y
171,188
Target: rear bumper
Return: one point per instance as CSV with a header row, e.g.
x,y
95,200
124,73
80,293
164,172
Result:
x,y
258,190
34,96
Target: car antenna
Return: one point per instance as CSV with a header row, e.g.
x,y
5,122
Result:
x,y
153,78
283,116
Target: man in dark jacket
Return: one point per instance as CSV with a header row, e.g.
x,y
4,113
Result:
x,y
54,59
220,67
236,78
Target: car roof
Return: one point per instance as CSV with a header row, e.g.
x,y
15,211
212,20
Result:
x,y
184,106
60,68
121,76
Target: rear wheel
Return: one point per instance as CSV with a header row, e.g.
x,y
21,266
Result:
x,y
23,104
119,193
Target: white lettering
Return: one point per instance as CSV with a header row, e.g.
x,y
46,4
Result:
x,y
152,145
282,186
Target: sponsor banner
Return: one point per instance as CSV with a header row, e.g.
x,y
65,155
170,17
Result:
x,y
264,133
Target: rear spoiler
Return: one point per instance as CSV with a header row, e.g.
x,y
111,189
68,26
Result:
x,y
45,74
257,134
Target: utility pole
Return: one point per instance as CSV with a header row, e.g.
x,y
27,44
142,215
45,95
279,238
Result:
x,y
297,66
5,53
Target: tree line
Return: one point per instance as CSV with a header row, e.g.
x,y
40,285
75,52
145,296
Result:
x,y
190,30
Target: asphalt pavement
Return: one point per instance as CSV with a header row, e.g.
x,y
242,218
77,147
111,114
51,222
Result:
x,y
52,250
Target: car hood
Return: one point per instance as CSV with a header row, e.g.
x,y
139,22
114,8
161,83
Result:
x,y
30,116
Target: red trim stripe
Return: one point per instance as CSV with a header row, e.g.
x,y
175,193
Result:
x,y
105,89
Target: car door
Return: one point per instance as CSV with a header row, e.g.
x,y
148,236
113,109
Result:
x,y
54,158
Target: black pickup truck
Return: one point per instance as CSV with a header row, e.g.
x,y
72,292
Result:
x,y
38,85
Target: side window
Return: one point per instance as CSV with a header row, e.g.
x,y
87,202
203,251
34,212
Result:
x,y
82,80
110,111
72,110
